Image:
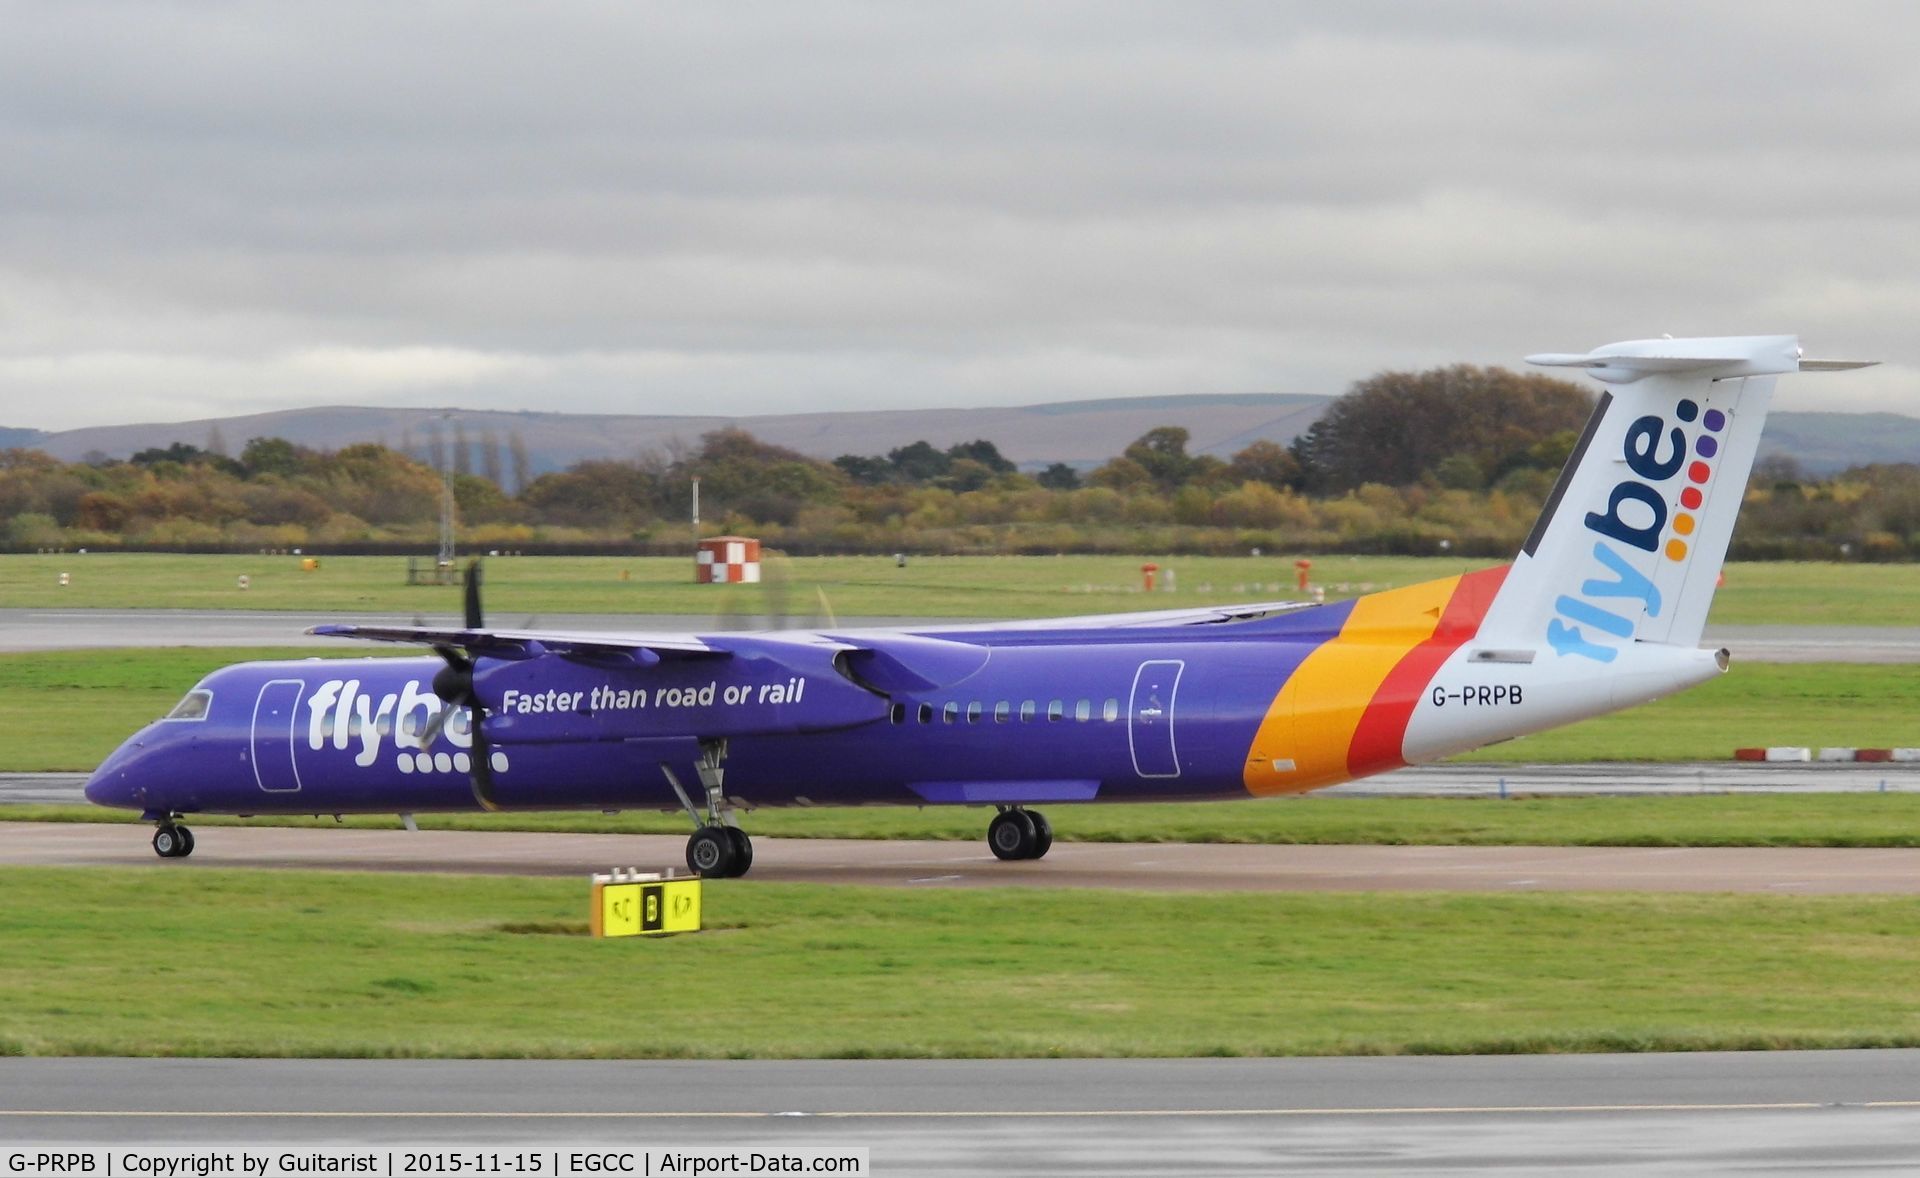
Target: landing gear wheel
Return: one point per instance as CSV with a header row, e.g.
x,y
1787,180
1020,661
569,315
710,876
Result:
x,y
711,854
173,842
1043,832
1013,835
742,851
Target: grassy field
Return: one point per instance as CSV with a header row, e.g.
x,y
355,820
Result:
x,y
290,964
1702,820
66,710
958,587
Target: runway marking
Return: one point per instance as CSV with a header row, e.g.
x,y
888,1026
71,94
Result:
x,y
1008,1114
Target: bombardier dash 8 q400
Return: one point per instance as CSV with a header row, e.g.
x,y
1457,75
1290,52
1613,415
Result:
x,y
1602,609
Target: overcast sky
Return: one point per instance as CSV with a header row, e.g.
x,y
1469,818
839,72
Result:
x,y
209,208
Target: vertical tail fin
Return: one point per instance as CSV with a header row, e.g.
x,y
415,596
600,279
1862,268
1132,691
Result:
x,y
1630,543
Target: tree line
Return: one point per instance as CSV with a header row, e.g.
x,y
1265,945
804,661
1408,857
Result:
x,y
1454,459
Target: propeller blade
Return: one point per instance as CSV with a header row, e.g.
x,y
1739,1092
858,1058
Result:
x,y
432,731
775,582
453,683
482,760
475,619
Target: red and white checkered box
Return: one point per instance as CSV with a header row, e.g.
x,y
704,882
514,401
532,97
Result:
x,y
727,560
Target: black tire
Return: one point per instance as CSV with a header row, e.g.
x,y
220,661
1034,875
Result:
x,y
1043,835
167,842
1012,835
710,853
742,851
186,842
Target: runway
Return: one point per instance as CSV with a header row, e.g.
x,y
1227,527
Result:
x,y
1601,779
1189,867
65,629
1795,1112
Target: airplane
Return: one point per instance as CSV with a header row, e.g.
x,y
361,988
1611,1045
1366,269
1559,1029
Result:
x,y
1602,609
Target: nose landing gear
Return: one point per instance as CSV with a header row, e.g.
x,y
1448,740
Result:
x,y
1019,833
172,840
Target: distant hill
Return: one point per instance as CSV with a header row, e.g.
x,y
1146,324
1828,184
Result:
x,y
1081,433
1823,443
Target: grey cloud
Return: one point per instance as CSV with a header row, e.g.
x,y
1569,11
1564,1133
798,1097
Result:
x,y
218,207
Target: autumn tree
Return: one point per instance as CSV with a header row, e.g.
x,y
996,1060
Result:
x,y
1397,428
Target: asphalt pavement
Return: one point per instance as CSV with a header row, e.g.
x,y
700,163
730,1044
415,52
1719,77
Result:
x,y
1776,1112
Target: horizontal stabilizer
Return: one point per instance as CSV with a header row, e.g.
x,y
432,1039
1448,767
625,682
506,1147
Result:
x,y
1733,356
1835,365
1623,363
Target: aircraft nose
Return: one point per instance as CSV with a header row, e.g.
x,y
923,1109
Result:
x,y
112,785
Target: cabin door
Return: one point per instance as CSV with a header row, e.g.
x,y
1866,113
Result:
x,y
275,714
1150,718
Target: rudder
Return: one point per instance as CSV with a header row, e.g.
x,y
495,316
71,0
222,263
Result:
x,y
1630,543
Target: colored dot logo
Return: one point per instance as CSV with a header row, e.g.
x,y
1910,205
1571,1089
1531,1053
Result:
x,y
1705,446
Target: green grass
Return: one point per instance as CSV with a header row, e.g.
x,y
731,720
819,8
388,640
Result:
x,y
983,587
1754,704
1702,820
202,962
66,710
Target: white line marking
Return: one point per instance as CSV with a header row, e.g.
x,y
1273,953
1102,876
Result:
x,y
1010,1114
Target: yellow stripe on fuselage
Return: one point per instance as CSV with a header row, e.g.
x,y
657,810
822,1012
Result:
x,y
1303,742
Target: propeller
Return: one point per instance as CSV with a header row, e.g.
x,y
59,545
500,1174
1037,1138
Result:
x,y
453,683
774,598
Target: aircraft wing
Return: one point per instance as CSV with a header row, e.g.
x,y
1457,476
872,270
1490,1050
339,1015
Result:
x,y
648,647
1191,616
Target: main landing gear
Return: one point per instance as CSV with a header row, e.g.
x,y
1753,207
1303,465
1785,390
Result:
x,y
172,840
1018,833
718,848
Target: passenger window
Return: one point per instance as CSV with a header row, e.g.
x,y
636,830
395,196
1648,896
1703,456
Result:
x,y
1026,711
951,712
1111,712
1055,709
1001,711
192,706
926,713
898,713
973,712
1083,710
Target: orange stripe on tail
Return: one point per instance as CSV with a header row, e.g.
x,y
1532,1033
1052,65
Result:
x,y
1378,740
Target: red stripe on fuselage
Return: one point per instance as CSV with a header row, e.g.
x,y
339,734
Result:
x,y
1380,737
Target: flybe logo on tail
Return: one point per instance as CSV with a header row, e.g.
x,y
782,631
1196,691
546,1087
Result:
x,y
1639,519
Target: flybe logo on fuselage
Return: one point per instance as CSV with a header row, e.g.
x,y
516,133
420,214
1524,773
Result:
x,y
1638,522
348,718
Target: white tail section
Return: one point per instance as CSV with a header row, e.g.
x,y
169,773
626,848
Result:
x,y
1630,544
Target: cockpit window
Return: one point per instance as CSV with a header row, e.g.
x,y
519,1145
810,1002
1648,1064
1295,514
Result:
x,y
193,706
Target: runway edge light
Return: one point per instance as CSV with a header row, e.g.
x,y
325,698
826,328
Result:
x,y
643,904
